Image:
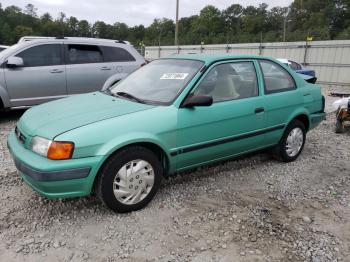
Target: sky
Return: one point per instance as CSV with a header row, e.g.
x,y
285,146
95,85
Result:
x,y
131,12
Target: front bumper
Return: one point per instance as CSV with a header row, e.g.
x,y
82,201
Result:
x,y
54,178
316,119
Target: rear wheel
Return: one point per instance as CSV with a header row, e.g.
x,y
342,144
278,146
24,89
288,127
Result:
x,y
129,179
292,142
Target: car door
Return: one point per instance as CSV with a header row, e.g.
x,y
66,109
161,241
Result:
x,y
86,70
41,79
281,98
231,125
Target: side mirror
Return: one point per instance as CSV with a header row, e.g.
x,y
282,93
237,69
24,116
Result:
x,y
197,100
14,61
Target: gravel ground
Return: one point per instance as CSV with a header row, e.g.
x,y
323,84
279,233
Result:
x,y
250,209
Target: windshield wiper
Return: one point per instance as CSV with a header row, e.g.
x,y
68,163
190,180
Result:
x,y
107,91
129,96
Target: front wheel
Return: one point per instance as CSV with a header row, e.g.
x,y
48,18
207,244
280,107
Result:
x,y
129,179
292,142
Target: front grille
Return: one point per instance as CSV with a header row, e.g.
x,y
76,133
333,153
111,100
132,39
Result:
x,y
20,136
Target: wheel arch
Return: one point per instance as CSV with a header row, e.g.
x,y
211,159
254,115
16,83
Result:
x,y
304,119
303,116
158,150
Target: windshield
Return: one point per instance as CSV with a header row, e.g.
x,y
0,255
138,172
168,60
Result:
x,y
160,82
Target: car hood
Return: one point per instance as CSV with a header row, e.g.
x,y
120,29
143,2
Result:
x,y
54,118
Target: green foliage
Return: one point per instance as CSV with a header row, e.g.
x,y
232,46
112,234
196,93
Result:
x,y
21,30
323,20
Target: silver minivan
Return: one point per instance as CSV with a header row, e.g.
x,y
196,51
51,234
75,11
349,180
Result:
x,y
41,70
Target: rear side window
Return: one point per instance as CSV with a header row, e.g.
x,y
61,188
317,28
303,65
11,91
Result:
x,y
276,78
83,54
42,55
116,54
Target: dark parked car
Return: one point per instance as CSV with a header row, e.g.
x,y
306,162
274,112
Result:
x,y
297,67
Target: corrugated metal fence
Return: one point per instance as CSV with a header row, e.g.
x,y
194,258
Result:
x,y
330,59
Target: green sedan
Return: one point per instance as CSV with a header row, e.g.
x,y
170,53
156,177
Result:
x,y
172,115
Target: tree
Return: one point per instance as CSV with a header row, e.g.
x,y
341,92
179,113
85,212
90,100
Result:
x,y
72,26
46,17
30,10
209,24
99,29
232,17
21,30
326,19
7,35
120,31
84,29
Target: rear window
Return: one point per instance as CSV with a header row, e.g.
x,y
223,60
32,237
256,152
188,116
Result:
x,y
83,54
116,54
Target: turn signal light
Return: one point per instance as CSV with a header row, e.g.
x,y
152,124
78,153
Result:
x,y
60,150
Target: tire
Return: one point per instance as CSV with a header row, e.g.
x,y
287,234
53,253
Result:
x,y
339,127
285,152
123,190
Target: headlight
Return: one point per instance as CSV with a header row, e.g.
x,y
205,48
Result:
x,y
54,150
40,145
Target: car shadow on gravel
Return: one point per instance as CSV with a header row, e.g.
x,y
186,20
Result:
x,y
92,203
14,115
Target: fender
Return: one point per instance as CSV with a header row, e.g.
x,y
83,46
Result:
x,y
298,112
113,79
133,138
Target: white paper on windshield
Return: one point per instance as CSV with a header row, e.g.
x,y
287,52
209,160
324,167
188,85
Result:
x,y
174,76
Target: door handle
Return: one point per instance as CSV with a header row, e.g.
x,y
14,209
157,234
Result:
x,y
259,110
56,71
105,68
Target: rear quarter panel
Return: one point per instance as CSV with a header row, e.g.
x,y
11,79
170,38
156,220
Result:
x,y
283,107
312,97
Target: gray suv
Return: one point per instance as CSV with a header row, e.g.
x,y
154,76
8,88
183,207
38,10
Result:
x,y
41,70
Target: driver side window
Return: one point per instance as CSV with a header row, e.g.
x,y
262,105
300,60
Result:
x,y
42,55
229,81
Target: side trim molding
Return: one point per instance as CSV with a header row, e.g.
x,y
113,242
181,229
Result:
x,y
225,140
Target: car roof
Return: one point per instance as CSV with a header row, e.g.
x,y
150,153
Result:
x,y
211,58
26,39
